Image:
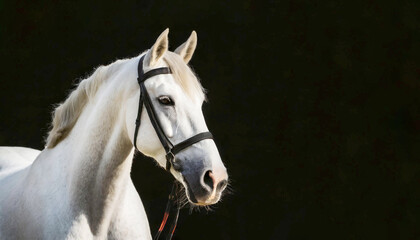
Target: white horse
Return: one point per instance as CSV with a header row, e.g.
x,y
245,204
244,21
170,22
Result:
x,y
79,186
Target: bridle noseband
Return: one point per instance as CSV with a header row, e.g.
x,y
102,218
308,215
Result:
x,y
170,149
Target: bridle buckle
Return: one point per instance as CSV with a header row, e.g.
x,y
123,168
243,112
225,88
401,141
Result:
x,y
170,156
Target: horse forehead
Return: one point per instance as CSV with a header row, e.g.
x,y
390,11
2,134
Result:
x,y
166,84
164,81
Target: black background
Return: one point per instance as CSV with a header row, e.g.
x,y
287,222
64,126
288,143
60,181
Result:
x,y
314,105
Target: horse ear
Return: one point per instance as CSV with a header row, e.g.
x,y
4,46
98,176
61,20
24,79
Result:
x,y
187,49
158,49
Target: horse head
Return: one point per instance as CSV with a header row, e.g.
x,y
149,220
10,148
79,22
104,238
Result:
x,y
176,99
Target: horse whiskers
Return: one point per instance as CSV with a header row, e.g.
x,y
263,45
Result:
x,y
183,202
229,189
182,198
198,208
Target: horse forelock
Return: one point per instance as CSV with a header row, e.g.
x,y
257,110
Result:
x,y
185,76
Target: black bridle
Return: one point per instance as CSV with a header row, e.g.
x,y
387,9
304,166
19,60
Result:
x,y
170,149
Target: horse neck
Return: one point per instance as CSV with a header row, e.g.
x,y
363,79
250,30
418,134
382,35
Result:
x,y
101,157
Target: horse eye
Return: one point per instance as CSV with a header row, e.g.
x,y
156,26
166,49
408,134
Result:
x,y
165,100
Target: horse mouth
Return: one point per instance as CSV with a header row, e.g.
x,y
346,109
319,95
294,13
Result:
x,y
203,198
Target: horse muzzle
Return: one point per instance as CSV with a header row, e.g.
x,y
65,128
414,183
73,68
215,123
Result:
x,y
204,187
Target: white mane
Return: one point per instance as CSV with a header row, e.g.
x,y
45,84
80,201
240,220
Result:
x,y
66,114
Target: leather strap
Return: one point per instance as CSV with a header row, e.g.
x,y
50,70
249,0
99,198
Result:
x,y
157,71
167,145
172,203
138,120
190,141
144,76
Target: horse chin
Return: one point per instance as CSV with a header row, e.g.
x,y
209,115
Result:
x,y
207,202
213,199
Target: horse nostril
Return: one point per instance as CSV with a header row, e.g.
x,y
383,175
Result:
x,y
222,184
208,180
